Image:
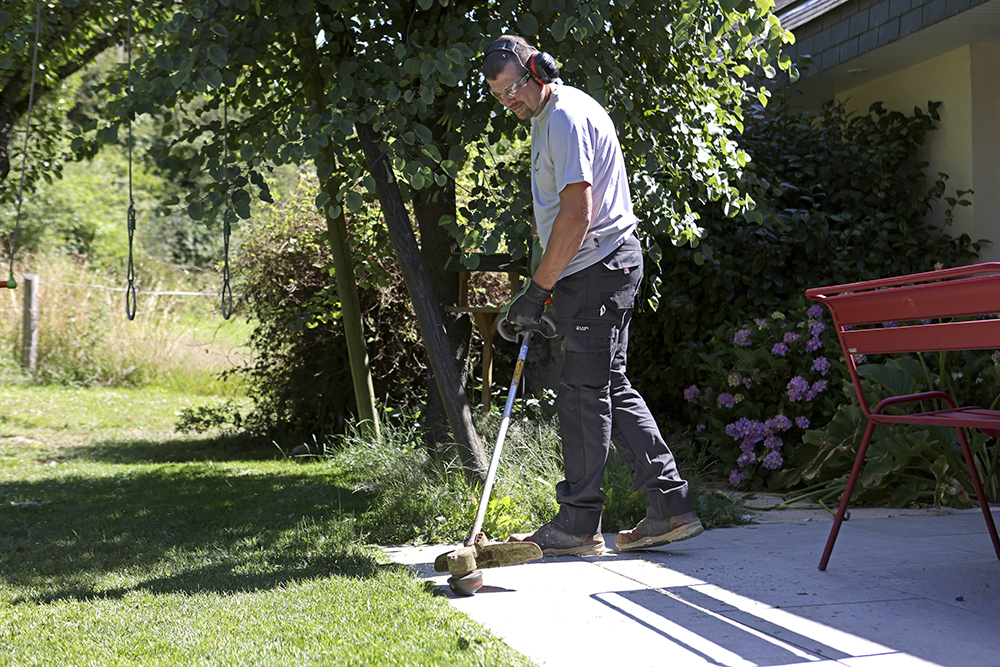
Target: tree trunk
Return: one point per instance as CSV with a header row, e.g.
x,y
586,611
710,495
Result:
x,y
437,247
354,330
343,263
425,304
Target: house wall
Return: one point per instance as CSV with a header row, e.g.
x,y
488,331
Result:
x,y
841,30
986,144
966,144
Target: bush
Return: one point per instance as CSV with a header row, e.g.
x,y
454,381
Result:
x,y
775,409
761,386
299,376
905,464
839,198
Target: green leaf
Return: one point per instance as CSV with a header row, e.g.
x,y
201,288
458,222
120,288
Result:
x,y
875,470
895,381
423,133
212,76
217,54
527,24
354,201
323,171
562,26
241,203
195,210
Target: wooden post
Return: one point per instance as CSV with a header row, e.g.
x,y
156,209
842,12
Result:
x,y
29,346
425,304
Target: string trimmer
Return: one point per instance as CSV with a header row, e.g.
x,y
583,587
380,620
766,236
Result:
x,y
466,563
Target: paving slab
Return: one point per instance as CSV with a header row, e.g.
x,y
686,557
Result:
x,y
912,589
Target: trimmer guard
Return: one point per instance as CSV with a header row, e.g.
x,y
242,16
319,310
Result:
x,y
483,554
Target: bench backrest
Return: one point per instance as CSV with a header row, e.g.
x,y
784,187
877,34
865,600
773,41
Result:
x,y
908,309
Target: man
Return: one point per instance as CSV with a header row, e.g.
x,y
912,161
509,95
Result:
x,y
590,270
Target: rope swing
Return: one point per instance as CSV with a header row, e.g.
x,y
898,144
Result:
x,y
227,290
10,283
130,295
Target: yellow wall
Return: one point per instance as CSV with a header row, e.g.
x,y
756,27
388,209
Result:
x,y
967,142
986,144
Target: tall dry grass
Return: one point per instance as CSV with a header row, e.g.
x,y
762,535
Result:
x,y
85,337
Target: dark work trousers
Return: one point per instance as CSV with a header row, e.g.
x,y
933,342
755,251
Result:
x,y
597,404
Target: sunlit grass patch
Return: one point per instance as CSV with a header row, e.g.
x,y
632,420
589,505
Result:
x,y
124,545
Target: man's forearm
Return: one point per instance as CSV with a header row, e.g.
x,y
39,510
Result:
x,y
568,232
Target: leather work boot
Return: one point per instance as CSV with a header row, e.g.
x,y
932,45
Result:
x,y
554,542
653,533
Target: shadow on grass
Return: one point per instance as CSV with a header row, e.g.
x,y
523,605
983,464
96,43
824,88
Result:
x,y
191,527
224,447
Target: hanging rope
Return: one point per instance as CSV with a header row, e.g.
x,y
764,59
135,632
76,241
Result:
x,y
227,290
10,283
130,294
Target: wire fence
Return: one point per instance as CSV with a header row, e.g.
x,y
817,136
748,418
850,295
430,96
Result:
x,y
216,295
80,324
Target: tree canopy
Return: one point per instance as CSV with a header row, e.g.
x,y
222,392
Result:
x,y
271,82
673,76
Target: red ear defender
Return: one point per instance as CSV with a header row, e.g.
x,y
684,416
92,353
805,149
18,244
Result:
x,y
543,67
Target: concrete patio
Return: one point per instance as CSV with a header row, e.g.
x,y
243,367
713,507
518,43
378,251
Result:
x,y
902,588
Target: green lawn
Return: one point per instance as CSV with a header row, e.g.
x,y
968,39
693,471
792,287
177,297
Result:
x,y
125,543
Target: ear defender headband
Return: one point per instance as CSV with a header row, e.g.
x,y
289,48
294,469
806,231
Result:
x,y
541,66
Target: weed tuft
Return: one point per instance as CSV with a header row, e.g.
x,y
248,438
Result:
x,y
416,496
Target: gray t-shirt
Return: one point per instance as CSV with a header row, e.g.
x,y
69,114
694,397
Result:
x,y
574,140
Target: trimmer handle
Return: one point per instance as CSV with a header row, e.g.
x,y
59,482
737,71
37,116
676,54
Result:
x,y
546,327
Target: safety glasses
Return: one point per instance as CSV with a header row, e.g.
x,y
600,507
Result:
x,y
511,91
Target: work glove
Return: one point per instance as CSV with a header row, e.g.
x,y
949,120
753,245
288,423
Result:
x,y
525,311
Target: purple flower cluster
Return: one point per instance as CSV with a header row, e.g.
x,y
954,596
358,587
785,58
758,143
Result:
x,y
772,461
751,385
747,430
800,390
778,423
750,432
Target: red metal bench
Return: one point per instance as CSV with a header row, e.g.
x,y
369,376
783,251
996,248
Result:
x,y
921,304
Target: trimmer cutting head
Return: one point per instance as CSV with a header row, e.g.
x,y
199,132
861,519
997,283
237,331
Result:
x,y
478,552
464,563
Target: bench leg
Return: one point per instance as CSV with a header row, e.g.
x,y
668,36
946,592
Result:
x,y
978,486
859,462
